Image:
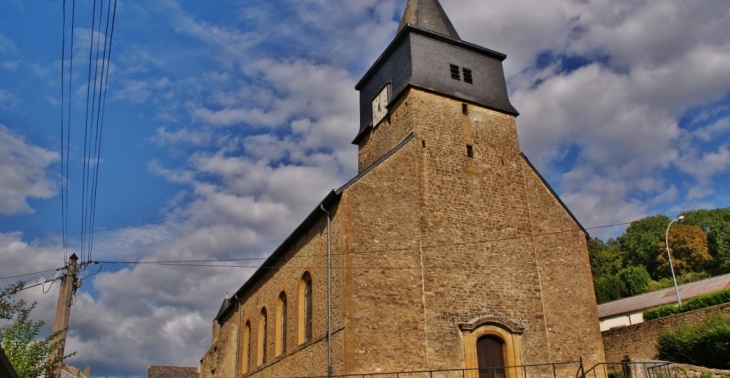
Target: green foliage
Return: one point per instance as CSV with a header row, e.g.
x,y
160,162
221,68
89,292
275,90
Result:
x,y
616,374
19,337
639,242
707,300
635,280
704,344
605,258
668,282
8,306
688,245
696,303
700,248
608,288
606,261
716,223
661,312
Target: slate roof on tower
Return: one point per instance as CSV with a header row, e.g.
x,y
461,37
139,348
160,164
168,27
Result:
x,y
428,14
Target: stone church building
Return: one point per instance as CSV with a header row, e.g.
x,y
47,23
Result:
x,y
448,250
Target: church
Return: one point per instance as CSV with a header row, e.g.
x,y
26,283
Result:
x,y
448,252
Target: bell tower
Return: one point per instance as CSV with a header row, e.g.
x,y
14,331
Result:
x,y
428,55
444,185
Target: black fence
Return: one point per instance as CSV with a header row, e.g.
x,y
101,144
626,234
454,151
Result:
x,y
629,369
569,369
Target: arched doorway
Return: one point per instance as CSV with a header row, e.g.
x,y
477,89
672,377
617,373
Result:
x,y
490,355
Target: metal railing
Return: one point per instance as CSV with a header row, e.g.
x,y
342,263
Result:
x,y
554,370
633,369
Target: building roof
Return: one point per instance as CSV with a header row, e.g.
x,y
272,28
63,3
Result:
x,y
6,369
429,15
661,297
158,371
227,302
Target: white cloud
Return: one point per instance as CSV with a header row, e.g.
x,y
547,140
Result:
x,y
264,132
23,173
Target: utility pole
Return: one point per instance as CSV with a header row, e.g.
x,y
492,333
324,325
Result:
x,y
63,311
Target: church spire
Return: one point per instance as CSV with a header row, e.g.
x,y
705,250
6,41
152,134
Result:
x,y
428,14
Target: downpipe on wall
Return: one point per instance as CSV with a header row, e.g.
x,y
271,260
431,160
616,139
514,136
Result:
x,y
329,296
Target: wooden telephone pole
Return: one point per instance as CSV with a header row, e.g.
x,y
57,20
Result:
x,y
63,311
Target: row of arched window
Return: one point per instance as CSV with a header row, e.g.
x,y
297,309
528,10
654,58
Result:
x,y
304,326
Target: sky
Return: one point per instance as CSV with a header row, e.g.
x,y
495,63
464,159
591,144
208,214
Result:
x,y
227,121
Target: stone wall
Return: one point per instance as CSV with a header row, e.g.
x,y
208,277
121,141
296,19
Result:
x,y
453,237
639,341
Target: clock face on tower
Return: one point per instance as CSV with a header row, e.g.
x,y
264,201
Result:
x,y
380,105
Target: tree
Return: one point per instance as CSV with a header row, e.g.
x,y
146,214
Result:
x,y
19,337
635,280
8,306
716,223
688,246
638,243
606,262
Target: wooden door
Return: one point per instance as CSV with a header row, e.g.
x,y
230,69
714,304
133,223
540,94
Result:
x,y
490,353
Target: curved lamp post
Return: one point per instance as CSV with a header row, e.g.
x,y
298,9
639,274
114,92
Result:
x,y
669,255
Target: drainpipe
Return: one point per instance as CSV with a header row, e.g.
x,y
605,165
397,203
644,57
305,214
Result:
x,y
238,339
329,296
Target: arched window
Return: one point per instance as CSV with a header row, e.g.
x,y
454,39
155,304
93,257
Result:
x,y
281,329
305,309
490,356
246,347
262,338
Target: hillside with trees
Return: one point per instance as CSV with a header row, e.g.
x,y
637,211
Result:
x,y
636,262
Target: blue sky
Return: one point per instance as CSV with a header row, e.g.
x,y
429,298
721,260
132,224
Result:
x,y
227,121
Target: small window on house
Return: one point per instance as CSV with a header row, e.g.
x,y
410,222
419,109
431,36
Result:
x,y
469,151
281,329
464,109
304,328
467,76
455,72
245,348
423,144
262,337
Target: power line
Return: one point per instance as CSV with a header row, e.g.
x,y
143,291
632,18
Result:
x,y
103,87
206,262
51,280
63,73
93,122
68,131
30,274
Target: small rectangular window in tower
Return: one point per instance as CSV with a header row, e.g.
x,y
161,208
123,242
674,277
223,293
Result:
x,y
467,76
465,109
469,151
455,72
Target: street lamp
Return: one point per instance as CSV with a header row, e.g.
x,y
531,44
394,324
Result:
x,y
671,267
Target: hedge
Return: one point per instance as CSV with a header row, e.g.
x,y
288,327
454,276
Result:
x,y
704,344
696,303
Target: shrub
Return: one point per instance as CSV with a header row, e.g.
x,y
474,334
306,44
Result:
x,y
616,374
660,312
707,300
696,303
703,344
